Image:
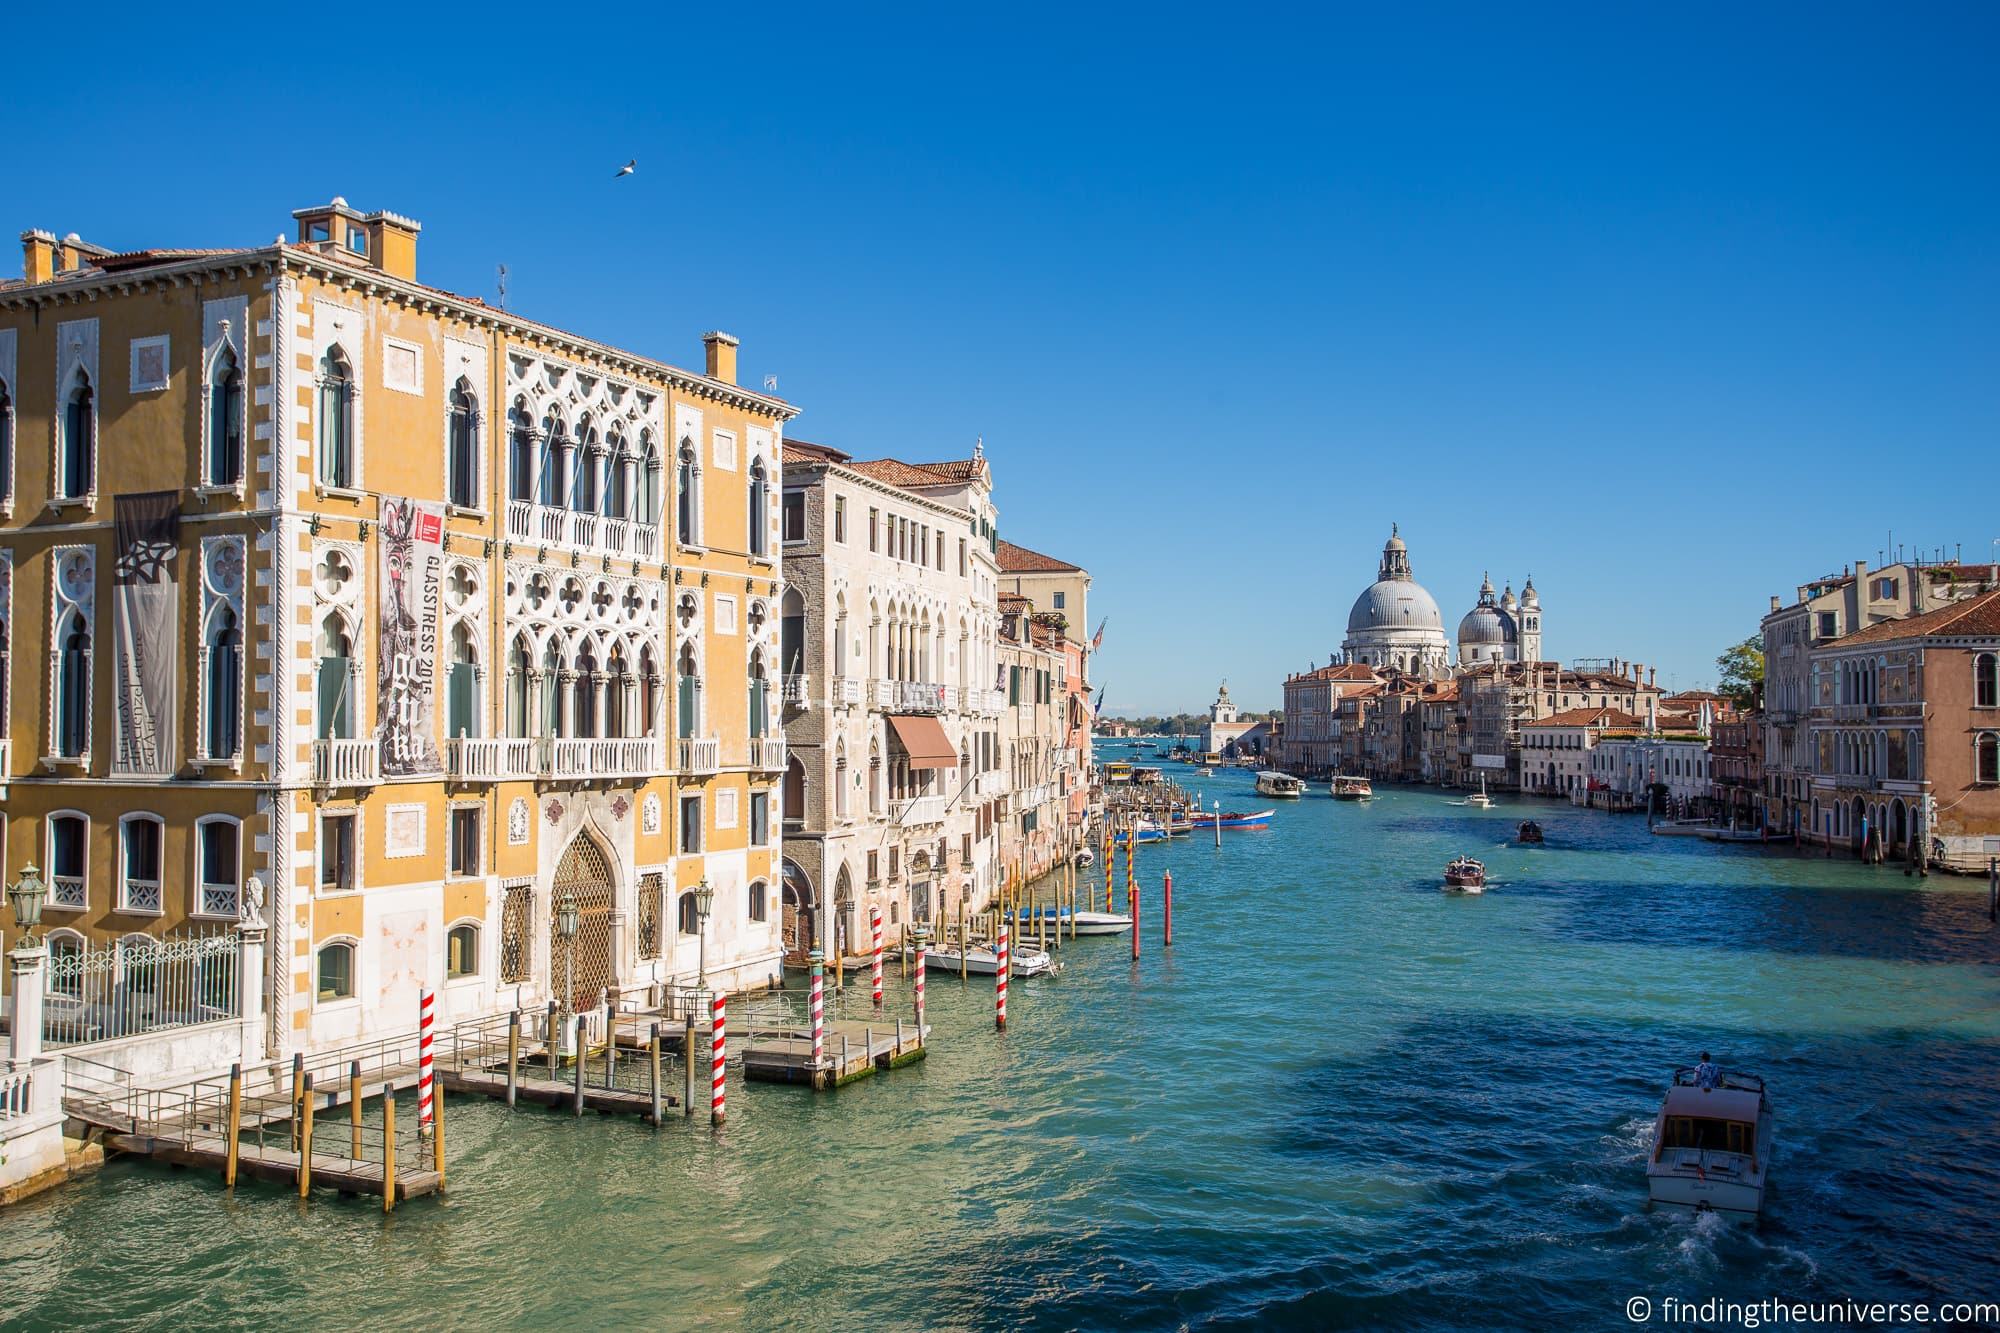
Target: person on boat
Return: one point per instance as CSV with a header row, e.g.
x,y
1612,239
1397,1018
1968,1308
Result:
x,y
1707,1074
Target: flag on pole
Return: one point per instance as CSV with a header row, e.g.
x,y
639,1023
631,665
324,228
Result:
x,y
1097,639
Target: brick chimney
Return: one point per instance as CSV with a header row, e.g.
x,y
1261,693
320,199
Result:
x,y
721,356
383,240
38,255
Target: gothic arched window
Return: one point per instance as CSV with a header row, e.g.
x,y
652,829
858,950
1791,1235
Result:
x,y
224,686
336,419
462,448
225,419
79,451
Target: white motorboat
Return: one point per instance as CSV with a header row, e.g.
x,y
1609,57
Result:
x,y
1087,922
1352,789
982,962
1683,828
1479,800
1279,784
1712,1146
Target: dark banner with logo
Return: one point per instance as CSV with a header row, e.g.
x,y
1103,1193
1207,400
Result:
x,y
145,614
412,549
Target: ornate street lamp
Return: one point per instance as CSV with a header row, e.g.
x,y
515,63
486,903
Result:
x,y
704,903
567,918
27,895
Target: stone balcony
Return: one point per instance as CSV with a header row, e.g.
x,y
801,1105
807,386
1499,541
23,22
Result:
x,y
767,753
602,757
796,691
913,696
989,785
699,755
341,762
490,758
575,530
917,810
847,690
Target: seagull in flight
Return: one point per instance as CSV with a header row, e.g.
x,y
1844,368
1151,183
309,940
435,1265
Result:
x,y
626,170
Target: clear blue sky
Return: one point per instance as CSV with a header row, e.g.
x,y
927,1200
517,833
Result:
x,y
1672,309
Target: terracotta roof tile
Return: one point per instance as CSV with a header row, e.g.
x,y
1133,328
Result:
x,y
1974,617
1020,560
895,472
1588,717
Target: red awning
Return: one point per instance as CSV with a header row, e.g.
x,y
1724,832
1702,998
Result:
x,y
929,747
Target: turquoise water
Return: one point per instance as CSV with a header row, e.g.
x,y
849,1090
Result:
x,y
1343,1099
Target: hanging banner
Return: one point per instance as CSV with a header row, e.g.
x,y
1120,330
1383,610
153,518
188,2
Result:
x,y
145,616
412,545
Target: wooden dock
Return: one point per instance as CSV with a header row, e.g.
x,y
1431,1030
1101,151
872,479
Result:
x,y
279,1166
853,1050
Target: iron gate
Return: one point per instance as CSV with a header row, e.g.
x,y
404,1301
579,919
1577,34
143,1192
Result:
x,y
581,967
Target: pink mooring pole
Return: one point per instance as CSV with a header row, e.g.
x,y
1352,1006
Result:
x,y
718,1053
426,1021
818,1010
875,959
1002,964
1132,908
920,987
1167,908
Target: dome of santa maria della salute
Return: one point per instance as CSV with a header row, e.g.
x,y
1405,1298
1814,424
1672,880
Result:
x,y
1395,623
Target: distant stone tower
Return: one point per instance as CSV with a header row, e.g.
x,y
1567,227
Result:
x,y
1530,616
1222,712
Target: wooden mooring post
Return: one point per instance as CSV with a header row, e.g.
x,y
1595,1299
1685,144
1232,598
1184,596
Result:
x,y
437,1136
235,1125
305,1136
389,1147
687,1055
653,1057
298,1093
513,1055
549,1031
580,1063
354,1109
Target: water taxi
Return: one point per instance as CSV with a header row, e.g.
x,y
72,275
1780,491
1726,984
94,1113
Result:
x,y
1231,818
1479,800
1117,773
1279,784
981,961
1353,789
1466,874
1712,1146
1087,923
1529,833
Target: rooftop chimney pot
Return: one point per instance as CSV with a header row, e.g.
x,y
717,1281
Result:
x,y
720,360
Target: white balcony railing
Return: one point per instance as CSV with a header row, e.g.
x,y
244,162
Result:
x,y
989,785
795,691
917,810
68,891
885,693
550,525
603,757
767,753
489,758
916,696
346,763
700,754
847,690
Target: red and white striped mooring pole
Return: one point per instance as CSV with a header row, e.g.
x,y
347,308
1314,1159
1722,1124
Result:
x,y
875,960
920,985
426,1113
1001,966
818,1003
718,1052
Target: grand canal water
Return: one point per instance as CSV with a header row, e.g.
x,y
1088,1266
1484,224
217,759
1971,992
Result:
x,y
1344,1098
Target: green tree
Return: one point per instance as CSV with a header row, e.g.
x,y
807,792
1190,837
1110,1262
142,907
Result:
x,y
1742,668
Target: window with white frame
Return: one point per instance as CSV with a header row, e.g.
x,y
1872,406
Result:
x,y
142,843
461,951
218,866
222,459
72,680
760,510
333,970
465,841
222,686
335,421
462,446
690,824
76,473
1986,680
687,495
68,859
339,841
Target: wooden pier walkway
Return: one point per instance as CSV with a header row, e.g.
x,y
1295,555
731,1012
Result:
x,y
853,1050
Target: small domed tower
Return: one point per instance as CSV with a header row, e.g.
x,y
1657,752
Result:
x,y
1530,616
